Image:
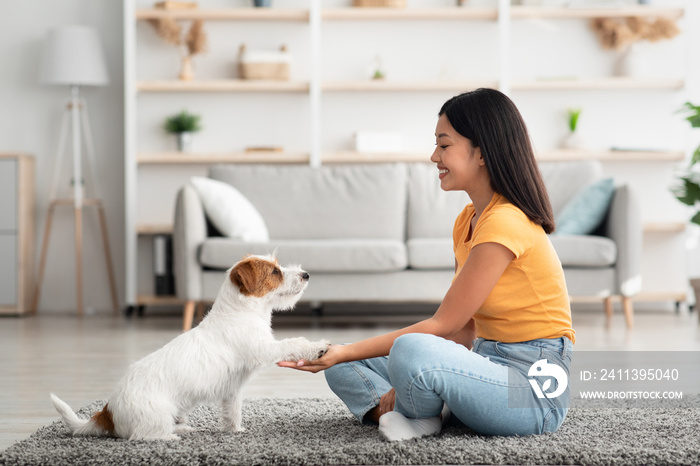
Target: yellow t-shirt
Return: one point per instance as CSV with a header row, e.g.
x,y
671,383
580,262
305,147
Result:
x,y
530,300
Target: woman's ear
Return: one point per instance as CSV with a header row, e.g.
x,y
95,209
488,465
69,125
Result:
x,y
477,153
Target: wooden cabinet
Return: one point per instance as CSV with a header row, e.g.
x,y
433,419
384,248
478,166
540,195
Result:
x,y
16,233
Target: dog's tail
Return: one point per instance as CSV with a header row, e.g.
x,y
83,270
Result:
x,y
98,425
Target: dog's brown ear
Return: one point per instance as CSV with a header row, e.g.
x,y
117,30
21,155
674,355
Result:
x,y
243,276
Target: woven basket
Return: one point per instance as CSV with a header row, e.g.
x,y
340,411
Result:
x,y
274,71
379,3
263,65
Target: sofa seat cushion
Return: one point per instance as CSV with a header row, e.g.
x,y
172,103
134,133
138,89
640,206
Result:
x,y
331,255
585,251
430,253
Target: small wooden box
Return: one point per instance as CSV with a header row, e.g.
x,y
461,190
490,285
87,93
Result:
x,y
379,3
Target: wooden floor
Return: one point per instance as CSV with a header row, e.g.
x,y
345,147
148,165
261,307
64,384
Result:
x,y
80,359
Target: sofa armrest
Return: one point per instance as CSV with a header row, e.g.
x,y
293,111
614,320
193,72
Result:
x,y
624,226
189,232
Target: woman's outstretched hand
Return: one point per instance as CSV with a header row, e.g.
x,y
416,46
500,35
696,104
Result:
x,y
331,358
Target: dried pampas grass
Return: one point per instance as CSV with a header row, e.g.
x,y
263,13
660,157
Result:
x,y
167,29
195,41
617,33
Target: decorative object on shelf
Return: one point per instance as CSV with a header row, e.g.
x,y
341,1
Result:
x,y
261,64
369,142
73,56
164,279
172,5
572,140
378,69
688,189
262,3
183,125
379,3
623,35
253,149
192,43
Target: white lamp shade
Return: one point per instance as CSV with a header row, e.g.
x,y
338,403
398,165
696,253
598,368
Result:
x,y
72,55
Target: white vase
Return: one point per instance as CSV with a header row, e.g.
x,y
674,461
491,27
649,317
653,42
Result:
x,y
184,141
187,69
571,141
632,62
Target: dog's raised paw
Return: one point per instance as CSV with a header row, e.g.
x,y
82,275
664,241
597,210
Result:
x,y
323,347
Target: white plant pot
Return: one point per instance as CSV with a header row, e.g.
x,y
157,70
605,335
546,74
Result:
x,y
571,141
184,142
633,62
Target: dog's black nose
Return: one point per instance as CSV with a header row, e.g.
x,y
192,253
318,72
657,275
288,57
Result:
x,y
305,276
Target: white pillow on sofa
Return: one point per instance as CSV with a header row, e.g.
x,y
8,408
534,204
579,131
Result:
x,y
230,211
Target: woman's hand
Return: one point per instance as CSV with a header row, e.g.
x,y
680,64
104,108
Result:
x,y
331,358
386,402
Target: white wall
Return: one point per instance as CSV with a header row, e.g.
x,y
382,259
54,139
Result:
x,y
30,113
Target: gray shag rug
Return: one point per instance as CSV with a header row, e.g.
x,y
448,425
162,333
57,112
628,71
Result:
x,y
322,432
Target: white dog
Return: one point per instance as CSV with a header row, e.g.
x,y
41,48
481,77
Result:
x,y
210,363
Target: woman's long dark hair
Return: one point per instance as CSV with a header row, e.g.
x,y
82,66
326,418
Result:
x,y
492,122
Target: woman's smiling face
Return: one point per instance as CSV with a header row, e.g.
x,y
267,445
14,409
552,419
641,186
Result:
x,y
458,161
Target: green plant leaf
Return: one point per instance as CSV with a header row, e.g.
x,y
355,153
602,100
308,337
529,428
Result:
x,y
688,192
693,112
183,122
696,157
573,114
696,218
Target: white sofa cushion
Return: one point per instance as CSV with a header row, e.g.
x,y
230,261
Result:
x,y
585,251
331,255
229,210
573,251
431,253
431,211
334,201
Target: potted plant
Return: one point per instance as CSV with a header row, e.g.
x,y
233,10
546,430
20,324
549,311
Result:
x,y
687,189
571,140
182,125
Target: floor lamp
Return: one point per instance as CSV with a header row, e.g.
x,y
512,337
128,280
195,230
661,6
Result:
x,y
72,56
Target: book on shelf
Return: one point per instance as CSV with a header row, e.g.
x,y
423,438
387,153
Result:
x,y
163,265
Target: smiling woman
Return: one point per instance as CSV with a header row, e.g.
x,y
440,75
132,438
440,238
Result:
x,y
507,308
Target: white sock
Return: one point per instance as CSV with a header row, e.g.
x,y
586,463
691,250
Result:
x,y
445,414
395,426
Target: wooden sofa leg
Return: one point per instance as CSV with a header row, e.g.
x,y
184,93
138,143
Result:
x,y
188,315
608,307
629,311
199,311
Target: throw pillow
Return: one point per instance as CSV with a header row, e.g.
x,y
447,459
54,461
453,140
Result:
x,y
583,213
230,211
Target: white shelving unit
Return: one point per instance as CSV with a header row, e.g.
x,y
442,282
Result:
x,y
313,88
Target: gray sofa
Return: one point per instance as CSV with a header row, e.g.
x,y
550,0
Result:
x,y
383,233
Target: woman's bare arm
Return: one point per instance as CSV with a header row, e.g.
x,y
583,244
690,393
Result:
x,y
453,319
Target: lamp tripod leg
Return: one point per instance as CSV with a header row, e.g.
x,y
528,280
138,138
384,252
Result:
x,y
108,258
79,258
42,260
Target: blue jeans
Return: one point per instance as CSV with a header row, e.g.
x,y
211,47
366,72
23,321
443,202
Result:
x,y
487,389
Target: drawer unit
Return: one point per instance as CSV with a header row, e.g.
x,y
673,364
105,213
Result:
x,y
16,233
